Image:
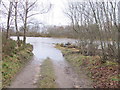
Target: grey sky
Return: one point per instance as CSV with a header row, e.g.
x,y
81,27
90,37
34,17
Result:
x,y
55,16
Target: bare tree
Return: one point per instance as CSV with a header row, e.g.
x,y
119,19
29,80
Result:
x,y
16,23
96,23
27,8
8,18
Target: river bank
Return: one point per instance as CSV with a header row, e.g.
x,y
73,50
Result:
x,y
13,60
104,75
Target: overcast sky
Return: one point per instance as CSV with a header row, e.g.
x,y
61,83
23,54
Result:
x,y
55,16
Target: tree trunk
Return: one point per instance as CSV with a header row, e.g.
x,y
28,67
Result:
x,y
24,37
119,44
8,20
16,26
25,23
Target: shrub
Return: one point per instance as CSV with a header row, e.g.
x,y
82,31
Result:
x,y
8,46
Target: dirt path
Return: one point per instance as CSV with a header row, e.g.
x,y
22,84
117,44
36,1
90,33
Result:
x,y
67,78
27,78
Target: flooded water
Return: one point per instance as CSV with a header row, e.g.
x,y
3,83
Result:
x,y
42,49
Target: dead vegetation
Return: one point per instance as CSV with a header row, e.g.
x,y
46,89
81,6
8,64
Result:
x,y
104,75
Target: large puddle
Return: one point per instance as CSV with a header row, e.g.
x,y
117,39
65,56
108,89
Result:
x,y
42,49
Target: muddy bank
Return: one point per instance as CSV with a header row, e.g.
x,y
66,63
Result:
x,y
12,64
103,75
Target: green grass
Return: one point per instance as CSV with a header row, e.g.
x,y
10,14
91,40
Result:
x,y
47,79
115,78
13,63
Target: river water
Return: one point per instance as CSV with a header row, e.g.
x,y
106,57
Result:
x,y
43,48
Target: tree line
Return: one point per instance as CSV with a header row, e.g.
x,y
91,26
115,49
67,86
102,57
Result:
x,y
97,21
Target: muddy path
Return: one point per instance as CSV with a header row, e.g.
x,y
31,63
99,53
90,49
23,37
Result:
x,y
68,78
42,49
27,77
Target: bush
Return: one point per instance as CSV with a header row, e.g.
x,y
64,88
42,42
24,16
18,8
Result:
x,y
8,46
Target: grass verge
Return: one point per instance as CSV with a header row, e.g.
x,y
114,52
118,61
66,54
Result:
x,y
104,75
47,79
11,64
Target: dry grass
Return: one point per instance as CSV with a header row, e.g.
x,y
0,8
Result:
x,y
47,79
